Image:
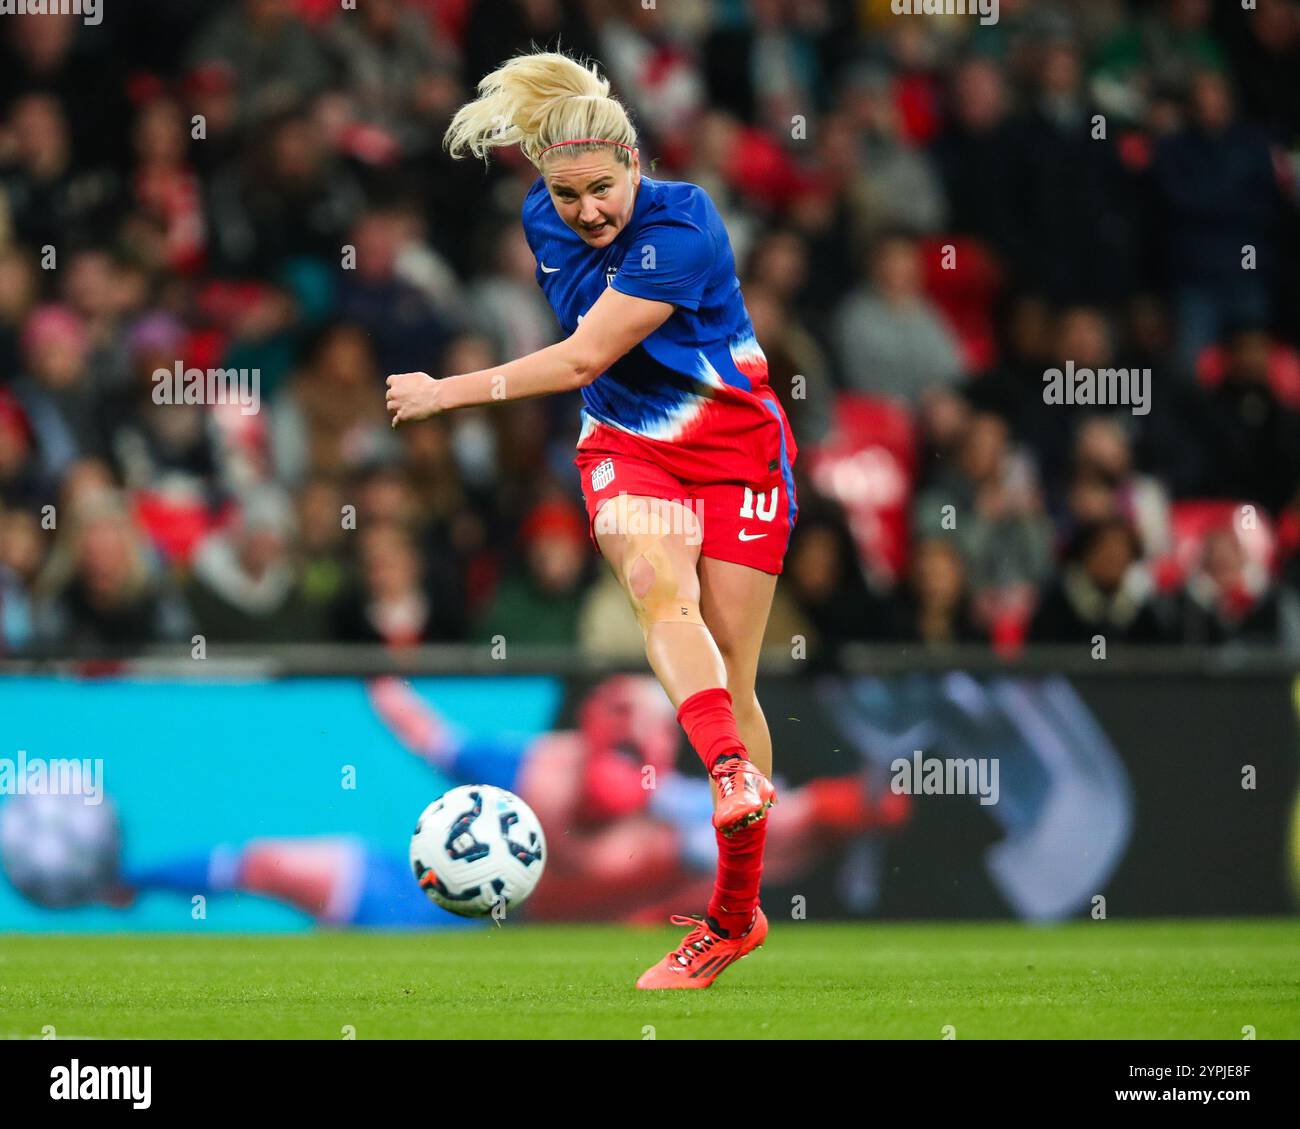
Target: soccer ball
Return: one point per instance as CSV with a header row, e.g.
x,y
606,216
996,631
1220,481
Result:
x,y
57,850
476,848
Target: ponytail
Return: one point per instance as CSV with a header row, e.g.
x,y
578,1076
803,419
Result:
x,y
538,101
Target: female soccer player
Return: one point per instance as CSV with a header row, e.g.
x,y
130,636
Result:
x,y
684,451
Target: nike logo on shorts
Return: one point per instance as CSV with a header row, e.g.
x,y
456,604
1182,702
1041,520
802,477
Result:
x,y
750,536
548,270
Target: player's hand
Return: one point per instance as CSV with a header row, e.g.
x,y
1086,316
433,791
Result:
x,y
412,396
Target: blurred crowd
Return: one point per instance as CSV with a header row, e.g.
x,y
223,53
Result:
x,y
928,214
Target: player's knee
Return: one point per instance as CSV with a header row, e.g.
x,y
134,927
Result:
x,y
641,578
659,582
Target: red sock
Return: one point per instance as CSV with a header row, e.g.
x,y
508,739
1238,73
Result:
x,y
710,724
740,871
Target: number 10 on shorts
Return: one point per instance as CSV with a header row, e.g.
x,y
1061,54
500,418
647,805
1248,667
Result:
x,y
762,512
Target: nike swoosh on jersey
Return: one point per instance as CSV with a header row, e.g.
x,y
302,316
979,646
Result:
x,y
750,536
549,270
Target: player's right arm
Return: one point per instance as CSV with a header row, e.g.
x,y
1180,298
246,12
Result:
x,y
615,324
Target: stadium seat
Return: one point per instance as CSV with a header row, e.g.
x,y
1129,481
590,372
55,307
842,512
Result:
x,y
965,293
868,464
1190,522
1283,371
175,523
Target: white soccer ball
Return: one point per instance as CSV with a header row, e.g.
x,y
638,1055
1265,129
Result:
x,y
58,851
477,849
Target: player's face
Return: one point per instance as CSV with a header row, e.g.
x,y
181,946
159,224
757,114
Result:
x,y
593,193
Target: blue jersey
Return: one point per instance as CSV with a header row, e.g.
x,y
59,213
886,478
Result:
x,y
675,249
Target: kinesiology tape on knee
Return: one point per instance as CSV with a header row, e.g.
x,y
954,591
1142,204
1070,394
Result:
x,y
660,603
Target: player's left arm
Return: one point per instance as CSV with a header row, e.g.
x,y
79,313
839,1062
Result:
x,y
615,324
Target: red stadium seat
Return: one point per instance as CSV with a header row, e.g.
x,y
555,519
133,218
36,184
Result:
x,y
965,293
174,523
917,100
1283,371
1190,522
1009,629
868,465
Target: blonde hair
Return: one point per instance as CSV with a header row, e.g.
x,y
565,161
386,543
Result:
x,y
538,100
100,506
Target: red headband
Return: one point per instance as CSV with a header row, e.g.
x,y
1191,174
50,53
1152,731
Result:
x,y
588,141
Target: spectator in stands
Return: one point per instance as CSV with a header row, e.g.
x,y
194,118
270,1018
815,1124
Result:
x,y
409,333
1014,388
322,542
889,338
990,504
106,294
833,217
330,419
934,607
494,32
797,369
276,63
19,291
652,63
1104,590
43,55
1086,336
778,265
974,153
824,578
904,187
386,495
25,478
764,69
942,422
507,305
395,77
157,442
165,187
391,602
1103,454
1230,599
474,440
1255,438
53,201
1067,189
99,592
57,393
245,586
1219,167
1173,442
540,603
1162,49
289,195
1266,58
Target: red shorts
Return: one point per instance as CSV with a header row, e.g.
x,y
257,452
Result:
x,y
734,474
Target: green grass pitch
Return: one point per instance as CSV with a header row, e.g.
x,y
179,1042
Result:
x,y
1100,979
